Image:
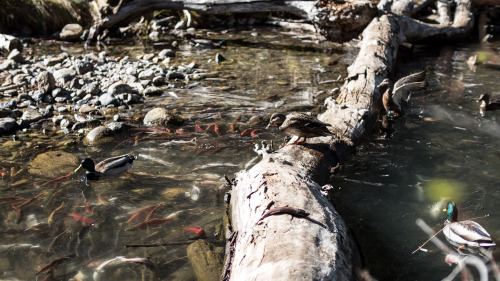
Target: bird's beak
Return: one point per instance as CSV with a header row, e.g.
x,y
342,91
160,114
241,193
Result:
x,y
444,210
78,169
268,125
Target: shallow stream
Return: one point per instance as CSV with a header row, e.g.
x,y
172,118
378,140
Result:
x,y
443,149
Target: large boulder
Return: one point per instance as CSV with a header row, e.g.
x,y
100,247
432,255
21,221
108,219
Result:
x,y
71,32
53,164
161,117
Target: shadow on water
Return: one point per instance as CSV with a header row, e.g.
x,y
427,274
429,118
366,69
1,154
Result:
x,y
442,150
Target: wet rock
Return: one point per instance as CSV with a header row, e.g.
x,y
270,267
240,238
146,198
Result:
x,y
53,164
38,95
75,84
166,53
119,87
161,117
64,75
159,81
6,112
71,32
146,74
108,99
16,56
153,91
83,67
31,115
92,89
7,125
171,75
23,97
85,124
97,134
8,104
46,81
206,259
118,127
53,60
87,109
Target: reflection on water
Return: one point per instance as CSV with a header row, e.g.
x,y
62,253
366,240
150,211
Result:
x,y
442,150
178,174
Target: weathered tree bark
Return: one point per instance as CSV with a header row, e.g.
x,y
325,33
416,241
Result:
x,y
320,248
338,22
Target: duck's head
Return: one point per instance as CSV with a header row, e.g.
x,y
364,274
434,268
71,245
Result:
x,y
385,83
452,211
276,120
87,164
484,97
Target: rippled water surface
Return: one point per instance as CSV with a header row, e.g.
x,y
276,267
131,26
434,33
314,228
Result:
x,y
183,170
442,150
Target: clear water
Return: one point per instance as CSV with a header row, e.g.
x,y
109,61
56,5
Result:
x,y
183,170
442,150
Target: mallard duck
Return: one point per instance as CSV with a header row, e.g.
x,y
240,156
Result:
x,y
487,104
464,233
108,167
398,93
299,124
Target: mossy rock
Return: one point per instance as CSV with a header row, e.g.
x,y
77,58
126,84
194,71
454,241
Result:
x,y
53,164
206,259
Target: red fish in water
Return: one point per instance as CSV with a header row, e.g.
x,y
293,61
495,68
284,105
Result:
x,y
19,214
28,202
87,207
143,212
200,233
60,178
54,213
150,223
83,219
53,264
254,133
246,132
198,128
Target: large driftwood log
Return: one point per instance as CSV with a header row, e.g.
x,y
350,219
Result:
x,y
338,22
319,248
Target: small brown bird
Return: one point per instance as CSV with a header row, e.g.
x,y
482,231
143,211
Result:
x,y
398,93
299,124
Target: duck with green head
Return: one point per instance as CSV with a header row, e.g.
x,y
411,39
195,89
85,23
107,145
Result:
x,y
108,167
465,233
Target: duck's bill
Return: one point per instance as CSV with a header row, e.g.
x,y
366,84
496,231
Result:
x,y
269,125
78,169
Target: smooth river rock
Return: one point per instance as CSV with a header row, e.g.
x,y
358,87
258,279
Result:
x,y
161,117
71,32
46,81
206,259
53,164
7,124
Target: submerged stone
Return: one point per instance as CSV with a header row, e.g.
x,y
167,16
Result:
x,y
206,259
53,164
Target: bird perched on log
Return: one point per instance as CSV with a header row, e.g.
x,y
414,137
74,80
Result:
x,y
108,167
398,93
464,233
487,104
299,124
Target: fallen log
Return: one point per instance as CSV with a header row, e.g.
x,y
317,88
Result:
x,y
338,21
